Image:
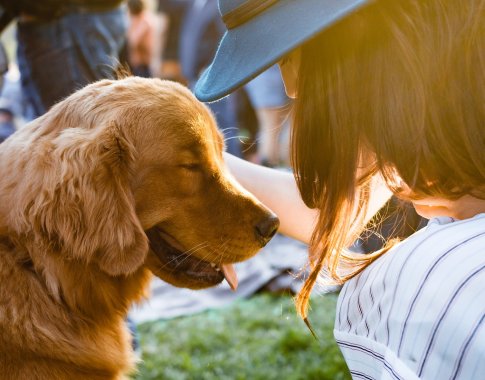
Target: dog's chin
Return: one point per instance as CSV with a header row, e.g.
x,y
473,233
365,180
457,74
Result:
x,y
177,267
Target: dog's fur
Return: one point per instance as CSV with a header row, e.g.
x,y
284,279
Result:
x,y
81,188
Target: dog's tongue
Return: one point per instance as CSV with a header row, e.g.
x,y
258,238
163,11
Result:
x,y
230,275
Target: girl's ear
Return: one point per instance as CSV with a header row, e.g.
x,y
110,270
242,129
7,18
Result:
x,y
85,204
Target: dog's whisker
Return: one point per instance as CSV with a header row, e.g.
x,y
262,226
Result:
x,y
187,254
224,246
199,247
229,129
200,260
249,146
196,248
240,138
219,253
203,259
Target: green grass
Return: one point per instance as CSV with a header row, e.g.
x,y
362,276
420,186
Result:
x,y
258,338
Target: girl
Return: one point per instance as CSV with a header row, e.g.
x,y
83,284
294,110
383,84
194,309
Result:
x,y
390,94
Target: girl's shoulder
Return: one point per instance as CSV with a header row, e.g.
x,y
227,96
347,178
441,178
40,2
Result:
x,y
442,238
445,251
422,301
442,246
455,229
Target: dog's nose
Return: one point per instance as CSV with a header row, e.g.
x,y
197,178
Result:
x,y
266,229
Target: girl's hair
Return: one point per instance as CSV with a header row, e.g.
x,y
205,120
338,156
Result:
x,y
397,88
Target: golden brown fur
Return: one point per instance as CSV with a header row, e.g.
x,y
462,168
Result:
x,y
79,189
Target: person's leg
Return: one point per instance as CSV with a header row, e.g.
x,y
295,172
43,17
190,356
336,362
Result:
x,y
99,39
60,56
141,71
270,121
268,98
36,57
225,112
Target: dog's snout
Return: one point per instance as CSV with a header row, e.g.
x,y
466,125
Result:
x,y
266,228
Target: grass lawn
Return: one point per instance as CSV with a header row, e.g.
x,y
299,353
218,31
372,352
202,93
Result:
x,y
253,339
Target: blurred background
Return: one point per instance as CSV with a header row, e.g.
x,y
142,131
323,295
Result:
x,y
54,47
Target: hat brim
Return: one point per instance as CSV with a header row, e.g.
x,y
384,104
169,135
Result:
x,y
246,51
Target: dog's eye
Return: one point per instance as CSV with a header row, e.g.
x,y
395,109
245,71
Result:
x,y
191,167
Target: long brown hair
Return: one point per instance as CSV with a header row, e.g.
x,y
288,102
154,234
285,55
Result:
x,y
397,88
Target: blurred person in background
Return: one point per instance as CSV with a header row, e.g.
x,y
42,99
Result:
x,y
141,38
7,126
7,119
268,98
173,13
12,91
192,38
201,30
64,45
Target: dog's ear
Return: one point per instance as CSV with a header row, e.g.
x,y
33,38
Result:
x,y
122,237
85,204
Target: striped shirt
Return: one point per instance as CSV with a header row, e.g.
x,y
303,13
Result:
x,y
418,312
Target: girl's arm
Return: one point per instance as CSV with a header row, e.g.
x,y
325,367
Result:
x,y
278,191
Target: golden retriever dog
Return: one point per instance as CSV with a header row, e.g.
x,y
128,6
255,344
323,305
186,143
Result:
x,y
120,180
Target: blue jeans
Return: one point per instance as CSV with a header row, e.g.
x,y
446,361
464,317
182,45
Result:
x,y
58,57
267,89
224,111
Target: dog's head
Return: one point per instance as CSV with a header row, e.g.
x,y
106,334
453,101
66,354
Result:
x,y
129,173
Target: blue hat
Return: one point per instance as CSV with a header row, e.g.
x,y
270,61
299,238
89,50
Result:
x,y
259,33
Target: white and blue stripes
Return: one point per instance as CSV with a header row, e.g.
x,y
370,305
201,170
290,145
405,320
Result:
x,y
418,312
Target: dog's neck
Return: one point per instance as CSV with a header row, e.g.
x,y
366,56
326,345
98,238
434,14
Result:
x,y
94,294
84,289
